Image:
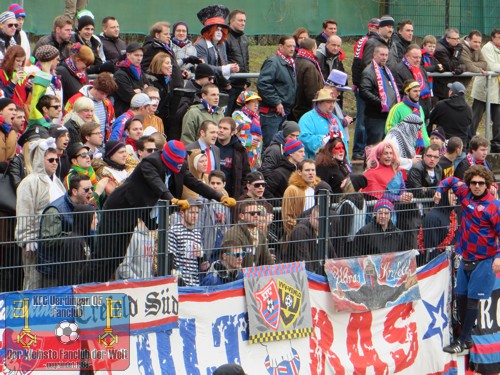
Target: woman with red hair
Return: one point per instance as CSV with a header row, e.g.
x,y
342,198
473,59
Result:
x,y
210,45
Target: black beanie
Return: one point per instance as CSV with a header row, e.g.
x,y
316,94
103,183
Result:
x,y
4,102
85,21
203,70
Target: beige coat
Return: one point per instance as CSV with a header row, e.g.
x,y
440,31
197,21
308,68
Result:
x,y
479,85
8,145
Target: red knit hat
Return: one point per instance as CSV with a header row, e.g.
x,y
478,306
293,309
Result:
x,y
17,9
383,203
173,155
291,146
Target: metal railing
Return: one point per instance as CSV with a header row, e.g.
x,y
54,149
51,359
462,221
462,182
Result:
x,y
147,247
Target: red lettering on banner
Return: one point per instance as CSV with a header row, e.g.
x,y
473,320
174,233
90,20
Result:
x,y
320,343
360,345
402,335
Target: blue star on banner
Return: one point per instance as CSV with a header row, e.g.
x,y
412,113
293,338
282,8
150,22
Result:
x,y
439,319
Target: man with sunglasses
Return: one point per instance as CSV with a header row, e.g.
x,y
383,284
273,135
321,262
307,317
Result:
x,y
81,163
8,27
228,268
477,243
145,146
56,223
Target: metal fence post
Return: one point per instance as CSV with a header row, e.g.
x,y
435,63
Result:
x,y
487,124
163,263
324,223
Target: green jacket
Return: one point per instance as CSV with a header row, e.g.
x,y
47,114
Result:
x,y
192,120
398,113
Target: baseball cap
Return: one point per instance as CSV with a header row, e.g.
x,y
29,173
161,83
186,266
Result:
x,y
456,88
139,100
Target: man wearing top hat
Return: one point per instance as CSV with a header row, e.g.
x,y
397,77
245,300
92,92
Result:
x,y
337,82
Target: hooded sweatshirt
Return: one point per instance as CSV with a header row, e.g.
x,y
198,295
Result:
x,y
34,193
454,115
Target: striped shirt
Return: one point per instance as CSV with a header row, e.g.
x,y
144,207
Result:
x,y
182,243
100,113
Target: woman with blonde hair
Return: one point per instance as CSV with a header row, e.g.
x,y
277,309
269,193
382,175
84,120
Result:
x,y
83,111
197,162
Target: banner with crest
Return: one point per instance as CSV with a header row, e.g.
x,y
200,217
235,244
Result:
x,y
278,302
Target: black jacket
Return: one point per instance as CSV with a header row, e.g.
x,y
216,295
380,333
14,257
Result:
x,y
358,64
240,166
63,48
375,40
450,58
237,52
70,82
418,178
277,181
333,176
127,83
114,48
369,92
146,185
17,170
166,93
371,239
272,154
454,115
400,47
152,46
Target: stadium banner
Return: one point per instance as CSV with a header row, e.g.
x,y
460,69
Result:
x,y
214,330
373,282
278,304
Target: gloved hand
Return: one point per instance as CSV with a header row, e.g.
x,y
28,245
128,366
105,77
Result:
x,y
191,60
182,204
228,201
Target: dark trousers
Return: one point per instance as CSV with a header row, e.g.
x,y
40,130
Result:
x,y
359,131
375,130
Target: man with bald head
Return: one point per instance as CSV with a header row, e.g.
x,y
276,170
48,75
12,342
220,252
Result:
x,y
330,56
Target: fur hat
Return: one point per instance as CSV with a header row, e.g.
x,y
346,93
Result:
x,y
383,203
213,15
46,53
17,9
85,21
289,127
291,146
173,155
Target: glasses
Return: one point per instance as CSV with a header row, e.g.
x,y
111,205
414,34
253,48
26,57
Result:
x,y
453,38
83,154
253,213
9,25
259,185
55,106
53,160
237,255
432,156
478,183
151,150
87,189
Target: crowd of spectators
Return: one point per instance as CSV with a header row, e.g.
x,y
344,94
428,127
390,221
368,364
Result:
x,y
243,165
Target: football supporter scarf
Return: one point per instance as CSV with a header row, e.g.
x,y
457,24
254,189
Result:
x,y
254,116
131,142
135,70
82,76
180,43
382,89
56,80
415,107
308,55
473,161
208,107
333,125
417,74
289,60
86,172
427,60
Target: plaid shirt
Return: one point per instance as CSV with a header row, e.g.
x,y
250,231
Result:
x,y
480,225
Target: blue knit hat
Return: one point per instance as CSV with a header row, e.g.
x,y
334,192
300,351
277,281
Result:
x,y
17,9
173,155
383,203
291,146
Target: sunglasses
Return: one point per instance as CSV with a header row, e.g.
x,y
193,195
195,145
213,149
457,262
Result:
x,y
259,184
151,150
55,106
9,25
253,213
87,189
237,255
478,183
52,160
83,154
